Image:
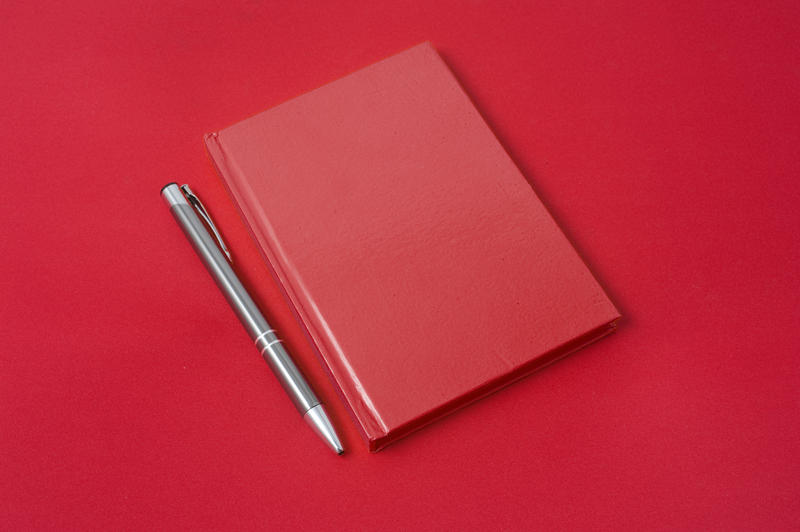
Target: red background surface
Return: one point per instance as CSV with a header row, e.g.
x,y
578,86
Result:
x,y
662,137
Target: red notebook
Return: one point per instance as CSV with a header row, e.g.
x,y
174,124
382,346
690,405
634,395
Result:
x,y
423,266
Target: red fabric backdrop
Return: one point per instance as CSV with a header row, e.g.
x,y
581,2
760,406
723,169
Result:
x,y
663,138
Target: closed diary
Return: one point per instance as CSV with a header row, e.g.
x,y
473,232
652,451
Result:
x,y
420,261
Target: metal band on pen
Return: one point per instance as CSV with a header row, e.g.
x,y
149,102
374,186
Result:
x,y
270,345
262,335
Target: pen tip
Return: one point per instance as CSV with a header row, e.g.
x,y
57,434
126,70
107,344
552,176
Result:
x,y
318,419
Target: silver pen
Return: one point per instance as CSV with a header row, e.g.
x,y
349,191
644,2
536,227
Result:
x,y
185,207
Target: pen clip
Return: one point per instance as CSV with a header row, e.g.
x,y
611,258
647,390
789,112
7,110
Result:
x,y
201,210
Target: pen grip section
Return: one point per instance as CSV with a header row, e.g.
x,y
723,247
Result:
x,y
288,374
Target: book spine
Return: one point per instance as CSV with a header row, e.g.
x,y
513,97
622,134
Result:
x,y
260,230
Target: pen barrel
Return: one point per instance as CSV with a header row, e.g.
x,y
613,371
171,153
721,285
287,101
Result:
x,y
243,305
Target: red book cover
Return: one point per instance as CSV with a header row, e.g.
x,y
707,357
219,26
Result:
x,y
423,266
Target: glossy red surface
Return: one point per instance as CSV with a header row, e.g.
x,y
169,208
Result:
x,y
663,139
420,261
